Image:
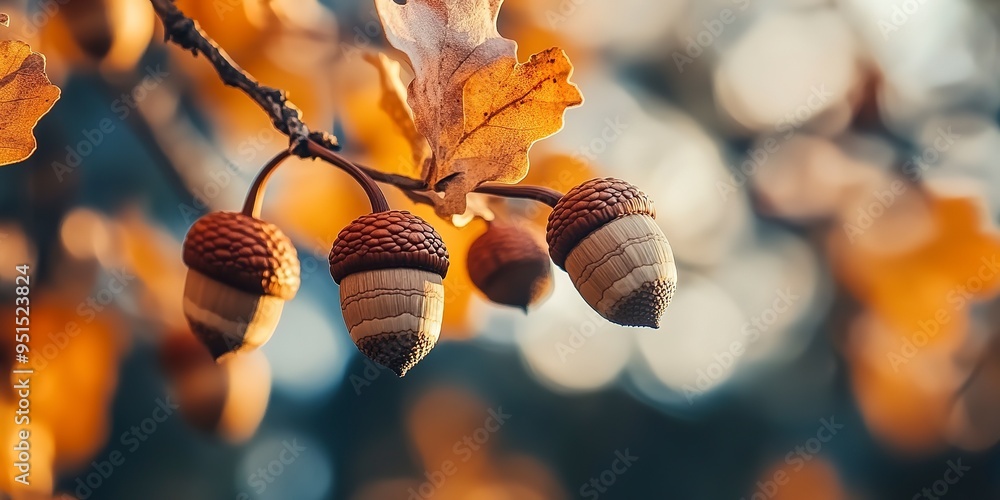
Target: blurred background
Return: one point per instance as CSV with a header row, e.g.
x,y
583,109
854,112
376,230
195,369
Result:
x,y
824,171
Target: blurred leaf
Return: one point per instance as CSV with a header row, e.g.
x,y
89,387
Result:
x,y
946,263
25,96
479,108
393,102
75,365
902,386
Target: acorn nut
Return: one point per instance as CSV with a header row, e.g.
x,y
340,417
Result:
x,y
226,399
241,270
511,266
390,267
603,234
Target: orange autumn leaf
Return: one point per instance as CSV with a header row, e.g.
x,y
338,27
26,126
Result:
x,y
508,106
26,94
477,106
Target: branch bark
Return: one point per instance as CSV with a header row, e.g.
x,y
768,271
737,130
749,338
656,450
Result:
x,y
285,116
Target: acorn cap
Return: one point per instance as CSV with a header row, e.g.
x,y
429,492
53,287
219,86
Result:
x,y
510,265
393,239
588,207
243,252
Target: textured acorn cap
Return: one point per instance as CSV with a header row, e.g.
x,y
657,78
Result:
x,y
510,265
243,252
388,240
588,207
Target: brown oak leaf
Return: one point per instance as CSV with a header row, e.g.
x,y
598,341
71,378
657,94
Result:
x,y
26,94
479,109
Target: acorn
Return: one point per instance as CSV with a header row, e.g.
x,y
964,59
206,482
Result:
x,y
91,26
603,233
390,267
511,266
227,399
241,270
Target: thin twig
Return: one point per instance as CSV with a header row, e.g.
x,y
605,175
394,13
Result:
x,y
285,116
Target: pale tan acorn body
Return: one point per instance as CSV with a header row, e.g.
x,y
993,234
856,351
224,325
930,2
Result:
x,y
240,318
393,301
625,257
390,267
604,235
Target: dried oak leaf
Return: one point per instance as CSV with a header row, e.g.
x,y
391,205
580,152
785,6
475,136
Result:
x,y
26,94
477,106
